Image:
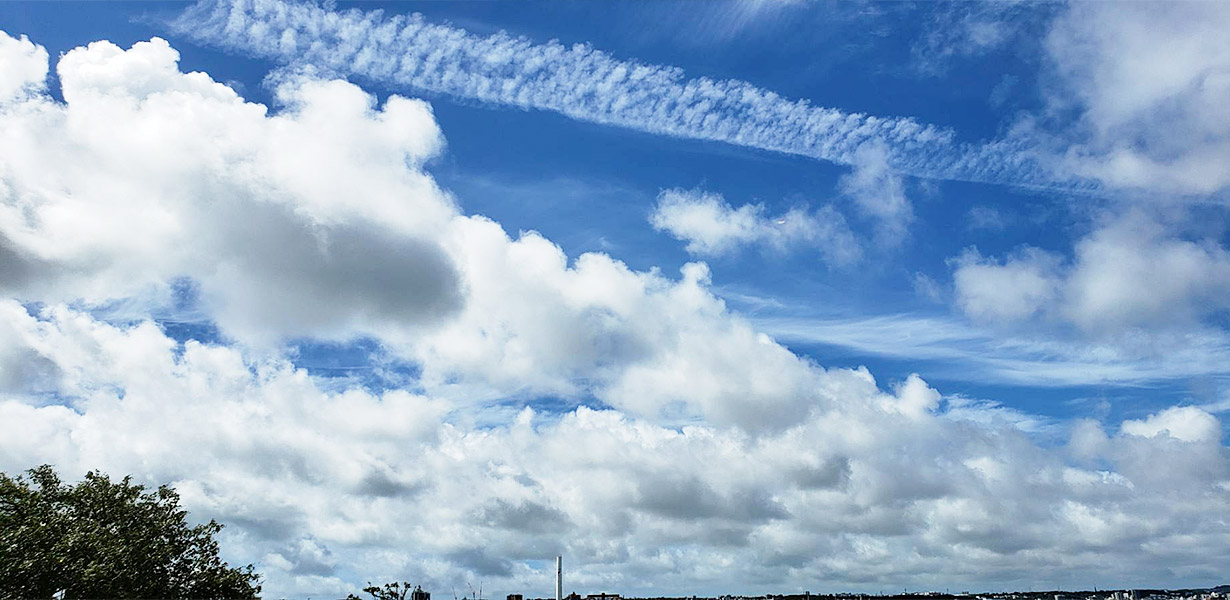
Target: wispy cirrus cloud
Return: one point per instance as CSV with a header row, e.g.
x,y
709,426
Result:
x,y
988,355
591,85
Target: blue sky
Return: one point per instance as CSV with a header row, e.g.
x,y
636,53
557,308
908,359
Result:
x,y
420,255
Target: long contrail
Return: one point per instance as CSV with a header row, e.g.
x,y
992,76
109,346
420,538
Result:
x,y
591,85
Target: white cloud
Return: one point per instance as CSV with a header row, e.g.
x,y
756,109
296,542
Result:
x,y
989,412
711,227
174,175
879,193
956,349
1186,423
1133,272
1020,287
588,84
960,29
727,462
915,398
319,222
1147,119
927,288
24,68
985,218
1151,81
325,490
707,223
644,344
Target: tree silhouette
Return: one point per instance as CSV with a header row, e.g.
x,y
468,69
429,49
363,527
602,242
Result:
x,y
390,591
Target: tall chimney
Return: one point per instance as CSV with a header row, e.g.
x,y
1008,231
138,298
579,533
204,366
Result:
x,y
559,578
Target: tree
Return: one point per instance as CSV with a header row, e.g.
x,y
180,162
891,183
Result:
x,y
100,539
390,591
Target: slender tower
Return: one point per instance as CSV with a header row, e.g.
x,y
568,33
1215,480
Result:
x,y
559,578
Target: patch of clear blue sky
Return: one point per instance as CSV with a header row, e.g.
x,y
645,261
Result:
x,y
590,187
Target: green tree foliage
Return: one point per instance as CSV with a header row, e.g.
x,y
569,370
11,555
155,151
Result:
x,y
99,539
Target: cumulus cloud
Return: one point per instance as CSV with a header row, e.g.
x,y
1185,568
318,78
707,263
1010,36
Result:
x,y
1186,423
1016,289
1133,271
24,68
712,227
173,175
325,490
647,345
1151,119
319,222
714,459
